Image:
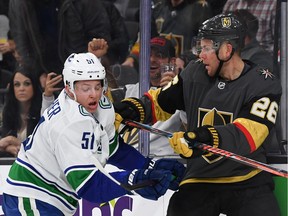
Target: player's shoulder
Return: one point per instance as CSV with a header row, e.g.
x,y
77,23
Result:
x,y
261,79
263,75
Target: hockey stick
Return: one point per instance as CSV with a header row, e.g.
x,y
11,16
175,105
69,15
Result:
x,y
128,187
218,151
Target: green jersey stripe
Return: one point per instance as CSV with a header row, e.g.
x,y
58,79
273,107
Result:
x,y
19,174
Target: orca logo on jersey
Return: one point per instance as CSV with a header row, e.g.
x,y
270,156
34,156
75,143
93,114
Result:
x,y
221,85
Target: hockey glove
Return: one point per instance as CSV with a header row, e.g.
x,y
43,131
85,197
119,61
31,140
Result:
x,y
205,134
129,108
180,146
161,177
174,166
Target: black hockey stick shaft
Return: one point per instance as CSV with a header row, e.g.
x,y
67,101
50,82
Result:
x,y
139,185
218,151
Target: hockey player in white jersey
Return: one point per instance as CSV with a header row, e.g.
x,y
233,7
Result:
x,y
62,160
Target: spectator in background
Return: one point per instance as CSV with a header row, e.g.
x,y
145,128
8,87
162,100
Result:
x,y
7,49
4,6
52,87
265,11
252,50
179,20
132,59
7,45
22,107
119,44
216,6
9,146
162,52
5,77
47,32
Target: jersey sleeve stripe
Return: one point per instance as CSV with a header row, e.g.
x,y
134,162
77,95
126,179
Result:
x,y
159,114
255,132
247,135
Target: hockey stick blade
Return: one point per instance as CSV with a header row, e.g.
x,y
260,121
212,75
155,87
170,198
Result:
x,y
214,150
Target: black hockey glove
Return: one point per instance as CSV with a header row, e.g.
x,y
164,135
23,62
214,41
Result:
x,y
129,108
184,143
161,178
206,134
176,167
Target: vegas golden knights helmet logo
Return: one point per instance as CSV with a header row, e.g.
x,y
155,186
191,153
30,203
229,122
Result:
x,y
226,22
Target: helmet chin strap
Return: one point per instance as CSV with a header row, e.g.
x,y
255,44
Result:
x,y
221,62
75,98
71,90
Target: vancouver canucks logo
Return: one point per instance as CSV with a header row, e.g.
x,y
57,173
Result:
x,y
266,73
226,22
83,111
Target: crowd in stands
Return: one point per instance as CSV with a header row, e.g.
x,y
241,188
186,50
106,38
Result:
x,y
42,34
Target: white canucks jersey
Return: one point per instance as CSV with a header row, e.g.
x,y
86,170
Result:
x,y
57,159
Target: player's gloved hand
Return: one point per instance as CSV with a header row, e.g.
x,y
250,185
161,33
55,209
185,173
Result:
x,y
180,146
162,181
129,108
176,167
204,134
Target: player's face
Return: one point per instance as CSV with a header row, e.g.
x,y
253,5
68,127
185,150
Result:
x,y
88,94
209,57
23,88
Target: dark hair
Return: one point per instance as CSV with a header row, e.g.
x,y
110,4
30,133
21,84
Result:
x,y
250,20
11,110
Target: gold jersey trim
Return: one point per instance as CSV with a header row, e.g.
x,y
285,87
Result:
x,y
222,179
160,114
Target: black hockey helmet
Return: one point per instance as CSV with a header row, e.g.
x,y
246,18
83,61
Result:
x,y
223,27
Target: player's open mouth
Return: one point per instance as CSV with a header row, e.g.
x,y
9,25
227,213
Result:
x,y
93,105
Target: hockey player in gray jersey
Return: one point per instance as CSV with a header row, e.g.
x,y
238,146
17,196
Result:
x,y
64,158
231,104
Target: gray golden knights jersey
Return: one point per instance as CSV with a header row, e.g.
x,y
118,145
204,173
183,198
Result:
x,y
57,159
243,111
